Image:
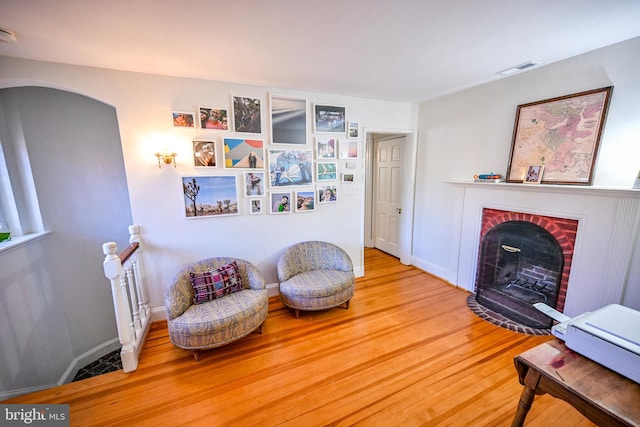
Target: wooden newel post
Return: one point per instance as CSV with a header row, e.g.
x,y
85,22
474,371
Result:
x,y
115,273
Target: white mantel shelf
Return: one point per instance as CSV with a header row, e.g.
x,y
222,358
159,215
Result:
x,y
572,189
609,222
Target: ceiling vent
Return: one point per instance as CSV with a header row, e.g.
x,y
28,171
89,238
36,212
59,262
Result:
x,y
7,36
517,68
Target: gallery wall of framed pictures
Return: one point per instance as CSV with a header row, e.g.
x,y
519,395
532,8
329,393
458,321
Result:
x,y
242,166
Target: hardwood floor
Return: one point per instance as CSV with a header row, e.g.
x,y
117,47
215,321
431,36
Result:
x,y
407,352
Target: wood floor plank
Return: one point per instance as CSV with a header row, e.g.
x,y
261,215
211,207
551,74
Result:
x,y
407,352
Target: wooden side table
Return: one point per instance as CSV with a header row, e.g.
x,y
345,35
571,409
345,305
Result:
x,y
603,396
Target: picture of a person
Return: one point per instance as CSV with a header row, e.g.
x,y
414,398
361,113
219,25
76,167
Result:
x,y
253,183
283,206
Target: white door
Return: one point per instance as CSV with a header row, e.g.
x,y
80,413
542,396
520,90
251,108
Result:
x,y
388,194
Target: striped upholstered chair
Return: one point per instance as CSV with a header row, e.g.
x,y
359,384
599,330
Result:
x,y
315,276
206,316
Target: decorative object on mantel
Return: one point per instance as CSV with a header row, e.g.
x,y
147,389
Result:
x,y
534,174
566,131
636,184
488,177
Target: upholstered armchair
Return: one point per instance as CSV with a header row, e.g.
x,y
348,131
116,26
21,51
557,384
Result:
x,y
315,276
210,315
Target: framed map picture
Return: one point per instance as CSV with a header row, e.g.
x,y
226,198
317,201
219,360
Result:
x,y
563,134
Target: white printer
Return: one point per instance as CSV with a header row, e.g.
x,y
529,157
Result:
x,y
609,336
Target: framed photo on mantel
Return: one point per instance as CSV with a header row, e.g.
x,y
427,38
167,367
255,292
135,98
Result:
x,y
563,134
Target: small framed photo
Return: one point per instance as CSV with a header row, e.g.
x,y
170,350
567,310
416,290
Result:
x,y
326,148
347,178
326,171
247,114
240,153
183,120
534,174
288,120
353,129
348,149
636,183
213,118
204,154
305,201
206,196
327,194
255,206
253,184
280,202
329,119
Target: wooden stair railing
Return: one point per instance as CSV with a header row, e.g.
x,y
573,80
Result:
x,y
130,296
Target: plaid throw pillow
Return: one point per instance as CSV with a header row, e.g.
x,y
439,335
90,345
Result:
x,y
216,283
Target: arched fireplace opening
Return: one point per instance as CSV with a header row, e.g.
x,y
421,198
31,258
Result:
x,y
520,263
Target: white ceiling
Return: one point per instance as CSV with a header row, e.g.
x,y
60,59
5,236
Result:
x,y
399,50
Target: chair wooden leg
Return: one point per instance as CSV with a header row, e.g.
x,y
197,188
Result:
x,y
346,304
196,355
297,313
261,328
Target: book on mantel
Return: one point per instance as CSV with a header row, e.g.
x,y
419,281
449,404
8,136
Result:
x,y
488,177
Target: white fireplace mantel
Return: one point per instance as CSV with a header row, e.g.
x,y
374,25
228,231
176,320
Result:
x,y
552,188
608,221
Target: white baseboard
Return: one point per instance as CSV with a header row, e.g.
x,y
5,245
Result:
x,y
436,270
358,271
9,394
273,289
158,314
88,357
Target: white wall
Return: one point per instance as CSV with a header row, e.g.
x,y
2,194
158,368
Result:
x,y
56,309
144,104
470,132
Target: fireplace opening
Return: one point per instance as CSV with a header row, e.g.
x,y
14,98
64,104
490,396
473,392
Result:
x,y
520,264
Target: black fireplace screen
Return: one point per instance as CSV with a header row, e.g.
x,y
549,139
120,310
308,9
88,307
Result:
x,y
520,264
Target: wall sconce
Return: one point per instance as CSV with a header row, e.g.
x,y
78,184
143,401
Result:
x,y
167,158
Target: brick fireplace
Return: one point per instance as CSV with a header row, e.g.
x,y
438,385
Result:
x,y
605,262
524,258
